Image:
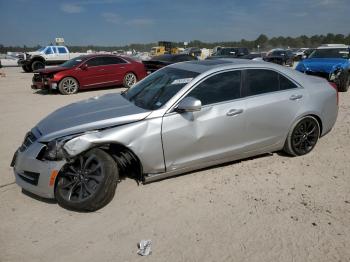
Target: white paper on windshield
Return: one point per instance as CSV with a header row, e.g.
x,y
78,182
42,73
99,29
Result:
x,y
181,81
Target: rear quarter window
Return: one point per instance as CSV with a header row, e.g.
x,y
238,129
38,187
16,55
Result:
x,y
286,84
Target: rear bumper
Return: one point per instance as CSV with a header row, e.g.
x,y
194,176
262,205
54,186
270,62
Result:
x,y
33,175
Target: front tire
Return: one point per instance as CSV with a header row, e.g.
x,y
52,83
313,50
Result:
x,y
303,136
130,79
36,65
89,183
343,81
27,68
68,86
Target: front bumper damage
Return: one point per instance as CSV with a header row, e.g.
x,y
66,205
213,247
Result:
x,y
41,82
35,175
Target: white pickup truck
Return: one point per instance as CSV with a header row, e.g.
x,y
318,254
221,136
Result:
x,y
48,55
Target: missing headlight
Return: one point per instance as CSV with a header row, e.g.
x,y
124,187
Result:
x,y
53,151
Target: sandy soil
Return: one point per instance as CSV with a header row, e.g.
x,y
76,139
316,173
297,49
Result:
x,y
269,208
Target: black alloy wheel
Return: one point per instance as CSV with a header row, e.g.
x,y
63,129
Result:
x,y
305,136
88,183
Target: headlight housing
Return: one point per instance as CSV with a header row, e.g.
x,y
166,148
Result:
x,y
54,150
335,74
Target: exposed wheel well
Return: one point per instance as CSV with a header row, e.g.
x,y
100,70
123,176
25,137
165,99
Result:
x,y
129,164
37,58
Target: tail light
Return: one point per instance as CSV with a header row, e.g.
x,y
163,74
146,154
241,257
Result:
x,y
334,85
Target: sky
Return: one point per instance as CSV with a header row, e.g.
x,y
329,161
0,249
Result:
x,y
120,22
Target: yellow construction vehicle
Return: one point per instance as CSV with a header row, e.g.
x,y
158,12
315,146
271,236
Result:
x,y
164,47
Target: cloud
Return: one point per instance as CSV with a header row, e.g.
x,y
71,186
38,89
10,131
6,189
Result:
x,y
140,22
71,8
111,18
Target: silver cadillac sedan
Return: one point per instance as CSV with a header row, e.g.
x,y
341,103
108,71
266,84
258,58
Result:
x,y
183,117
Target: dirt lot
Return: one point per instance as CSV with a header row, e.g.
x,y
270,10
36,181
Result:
x,y
270,208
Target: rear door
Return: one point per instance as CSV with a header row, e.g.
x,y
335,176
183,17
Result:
x,y
273,101
62,54
116,68
96,73
215,132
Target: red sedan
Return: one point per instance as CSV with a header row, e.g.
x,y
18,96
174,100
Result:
x,y
90,71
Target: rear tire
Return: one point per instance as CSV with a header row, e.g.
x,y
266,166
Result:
x,y
89,183
129,80
68,86
343,81
36,65
303,136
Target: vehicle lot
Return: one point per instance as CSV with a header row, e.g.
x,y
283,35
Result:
x,y
269,208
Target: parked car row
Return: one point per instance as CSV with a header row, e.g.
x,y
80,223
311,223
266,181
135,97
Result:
x,y
89,71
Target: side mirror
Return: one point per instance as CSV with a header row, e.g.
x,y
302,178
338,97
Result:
x,y
189,104
84,67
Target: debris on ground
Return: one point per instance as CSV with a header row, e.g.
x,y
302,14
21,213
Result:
x,y
144,248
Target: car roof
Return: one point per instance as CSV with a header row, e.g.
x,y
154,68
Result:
x,y
201,66
333,46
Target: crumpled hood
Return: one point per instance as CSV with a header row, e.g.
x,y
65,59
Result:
x,y
51,70
91,114
326,65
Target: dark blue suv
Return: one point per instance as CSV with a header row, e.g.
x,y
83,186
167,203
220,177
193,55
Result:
x,y
331,62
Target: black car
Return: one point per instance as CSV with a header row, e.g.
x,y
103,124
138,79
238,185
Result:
x,y
158,62
280,56
230,52
251,56
193,51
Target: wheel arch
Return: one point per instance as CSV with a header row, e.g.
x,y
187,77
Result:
x,y
37,58
314,115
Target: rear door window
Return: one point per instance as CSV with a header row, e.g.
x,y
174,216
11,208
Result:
x,y
260,81
110,60
62,50
96,61
218,88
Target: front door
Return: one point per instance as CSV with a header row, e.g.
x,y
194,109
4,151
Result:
x,y
215,132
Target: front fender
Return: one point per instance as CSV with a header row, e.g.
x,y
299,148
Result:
x,y
142,137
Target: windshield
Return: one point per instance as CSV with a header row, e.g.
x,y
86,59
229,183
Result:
x,y
73,62
330,53
155,90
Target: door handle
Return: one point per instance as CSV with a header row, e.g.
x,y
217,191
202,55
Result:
x,y
122,67
102,69
234,112
295,97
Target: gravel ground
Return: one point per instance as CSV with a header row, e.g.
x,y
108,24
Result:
x,y
268,208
